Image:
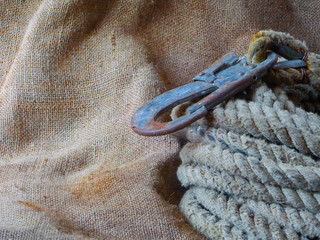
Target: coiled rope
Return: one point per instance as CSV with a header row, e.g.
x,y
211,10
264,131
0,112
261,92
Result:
x,y
252,168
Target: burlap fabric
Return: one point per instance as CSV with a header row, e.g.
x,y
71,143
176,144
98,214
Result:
x,y
72,75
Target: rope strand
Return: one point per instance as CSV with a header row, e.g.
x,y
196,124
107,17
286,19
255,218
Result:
x,y
259,170
253,169
199,175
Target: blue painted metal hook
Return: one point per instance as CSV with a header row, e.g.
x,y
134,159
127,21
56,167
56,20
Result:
x,y
226,77
223,79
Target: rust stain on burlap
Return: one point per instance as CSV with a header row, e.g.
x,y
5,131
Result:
x,y
62,223
32,205
96,185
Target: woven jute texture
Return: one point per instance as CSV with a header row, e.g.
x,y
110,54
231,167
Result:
x,y
72,75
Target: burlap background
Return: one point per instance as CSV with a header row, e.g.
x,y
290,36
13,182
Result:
x,y
72,75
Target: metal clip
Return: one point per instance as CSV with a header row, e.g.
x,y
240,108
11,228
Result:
x,y
225,78
294,59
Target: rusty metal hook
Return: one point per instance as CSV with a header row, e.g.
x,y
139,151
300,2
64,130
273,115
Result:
x,y
223,79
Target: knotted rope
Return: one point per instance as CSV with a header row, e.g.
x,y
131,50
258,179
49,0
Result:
x,y
252,167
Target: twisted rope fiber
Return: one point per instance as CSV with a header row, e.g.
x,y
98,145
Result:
x,y
260,220
239,186
254,171
278,126
259,170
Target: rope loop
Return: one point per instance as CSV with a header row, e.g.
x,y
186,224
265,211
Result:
x,y
252,167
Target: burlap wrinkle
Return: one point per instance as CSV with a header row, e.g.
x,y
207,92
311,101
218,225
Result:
x,y
72,75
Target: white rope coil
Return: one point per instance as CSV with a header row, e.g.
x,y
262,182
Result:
x,y
253,170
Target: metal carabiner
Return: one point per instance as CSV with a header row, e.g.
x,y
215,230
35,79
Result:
x,y
223,79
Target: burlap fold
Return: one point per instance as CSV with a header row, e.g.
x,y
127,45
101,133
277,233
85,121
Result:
x,y
72,75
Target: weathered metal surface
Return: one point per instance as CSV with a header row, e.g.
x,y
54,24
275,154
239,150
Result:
x,y
144,120
223,79
284,51
290,64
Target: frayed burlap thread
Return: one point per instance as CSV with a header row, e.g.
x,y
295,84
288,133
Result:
x,y
252,168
